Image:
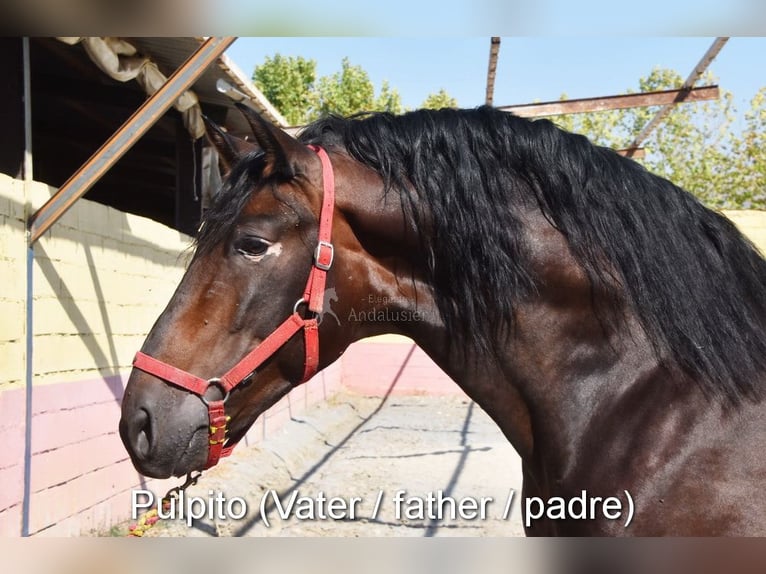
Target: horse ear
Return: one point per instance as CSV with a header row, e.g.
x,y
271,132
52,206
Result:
x,y
282,151
230,148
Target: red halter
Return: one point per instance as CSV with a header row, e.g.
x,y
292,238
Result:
x,y
313,297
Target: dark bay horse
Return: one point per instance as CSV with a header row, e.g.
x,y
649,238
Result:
x,y
611,325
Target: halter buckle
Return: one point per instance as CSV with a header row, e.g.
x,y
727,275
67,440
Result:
x,y
215,381
324,255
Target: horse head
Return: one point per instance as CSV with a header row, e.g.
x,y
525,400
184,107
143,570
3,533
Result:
x,y
249,276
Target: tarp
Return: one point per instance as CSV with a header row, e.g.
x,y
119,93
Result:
x,y
120,60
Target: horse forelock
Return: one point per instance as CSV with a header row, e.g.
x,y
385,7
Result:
x,y
230,200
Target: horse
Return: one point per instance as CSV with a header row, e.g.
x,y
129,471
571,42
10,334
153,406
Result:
x,y
609,323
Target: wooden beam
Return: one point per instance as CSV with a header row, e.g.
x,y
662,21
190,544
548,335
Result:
x,y
585,105
127,135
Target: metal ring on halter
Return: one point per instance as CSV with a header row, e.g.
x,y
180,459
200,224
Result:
x,y
217,382
298,303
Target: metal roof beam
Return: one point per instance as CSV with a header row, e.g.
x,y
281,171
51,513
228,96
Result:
x,y
686,88
584,105
494,50
126,136
637,153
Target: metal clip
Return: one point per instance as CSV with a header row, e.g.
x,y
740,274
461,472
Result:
x,y
191,480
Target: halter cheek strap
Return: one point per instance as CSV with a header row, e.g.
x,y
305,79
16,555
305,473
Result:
x,y
313,296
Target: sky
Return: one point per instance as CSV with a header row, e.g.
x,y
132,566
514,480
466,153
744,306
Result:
x,y
529,69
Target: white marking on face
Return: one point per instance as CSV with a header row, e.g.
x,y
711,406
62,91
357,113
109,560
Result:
x,y
274,249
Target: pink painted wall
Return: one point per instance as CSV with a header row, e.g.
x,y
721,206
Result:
x,y
79,466
81,476
402,368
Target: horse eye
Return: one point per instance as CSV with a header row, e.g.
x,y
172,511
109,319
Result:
x,y
251,246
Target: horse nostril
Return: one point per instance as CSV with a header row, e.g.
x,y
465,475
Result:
x,y
141,435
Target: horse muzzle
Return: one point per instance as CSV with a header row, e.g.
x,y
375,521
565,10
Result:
x,y
164,430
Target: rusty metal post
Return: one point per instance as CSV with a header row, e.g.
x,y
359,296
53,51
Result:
x,y
494,50
126,136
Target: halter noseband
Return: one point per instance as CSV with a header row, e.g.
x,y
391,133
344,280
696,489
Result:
x,y
313,297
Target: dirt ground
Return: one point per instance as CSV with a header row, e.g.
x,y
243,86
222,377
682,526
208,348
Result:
x,y
445,453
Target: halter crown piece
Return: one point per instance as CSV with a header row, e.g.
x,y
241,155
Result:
x,y
313,297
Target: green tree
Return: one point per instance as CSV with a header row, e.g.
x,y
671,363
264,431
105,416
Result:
x,y
690,147
288,83
389,100
345,92
748,170
694,147
292,86
350,91
439,100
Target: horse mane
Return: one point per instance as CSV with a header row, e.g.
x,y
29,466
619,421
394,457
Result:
x,y
696,284
228,203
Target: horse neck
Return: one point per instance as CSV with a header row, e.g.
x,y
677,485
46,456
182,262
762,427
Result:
x,y
550,370
563,360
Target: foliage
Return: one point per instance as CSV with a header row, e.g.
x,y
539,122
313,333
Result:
x,y
288,83
389,100
696,146
345,92
292,86
439,100
350,91
749,151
